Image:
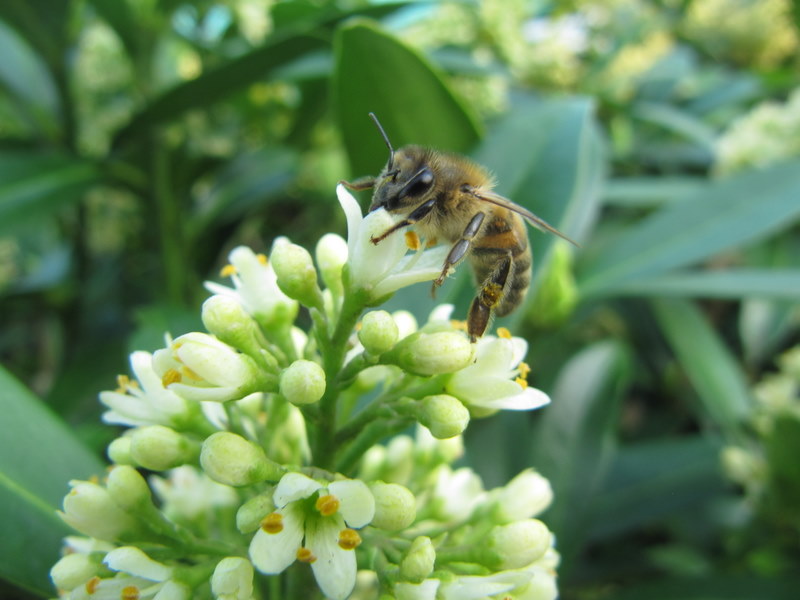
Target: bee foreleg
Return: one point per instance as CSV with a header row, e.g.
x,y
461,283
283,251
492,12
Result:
x,y
489,297
362,183
418,213
460,248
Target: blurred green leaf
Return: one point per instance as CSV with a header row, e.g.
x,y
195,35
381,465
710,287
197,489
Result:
x,y
764,325
782,447
376,72
716,376
575,440
118,14
645,192
43,23
676,121
39,454
732,212
712,587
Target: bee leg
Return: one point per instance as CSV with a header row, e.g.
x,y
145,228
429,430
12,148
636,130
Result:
x,y
488,298
418,213
459,249
362,183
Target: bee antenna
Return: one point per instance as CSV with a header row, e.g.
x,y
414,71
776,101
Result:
x,y
385,139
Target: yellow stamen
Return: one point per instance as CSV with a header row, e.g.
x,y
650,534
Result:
x,y
349,539
94,479
458,325
272,523
171,376
521,382
524,370
327,505
227,271
123,381
431,242
413,241
187,373
504,333
305,555
130,592
91,585
262,259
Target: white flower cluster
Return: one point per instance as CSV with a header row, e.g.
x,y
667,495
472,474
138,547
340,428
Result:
x,y
265,441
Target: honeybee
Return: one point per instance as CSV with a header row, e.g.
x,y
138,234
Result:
x,y
448,196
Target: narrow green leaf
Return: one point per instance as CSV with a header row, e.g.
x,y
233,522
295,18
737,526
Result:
x,y
677,121
39,454
764,326
729,213
120,17
376,72
647,192
719,381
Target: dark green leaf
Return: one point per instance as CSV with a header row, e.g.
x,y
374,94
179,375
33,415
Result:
x,y
722,586
649,192
39,454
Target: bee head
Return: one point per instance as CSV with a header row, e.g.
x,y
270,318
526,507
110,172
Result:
x,y
405,181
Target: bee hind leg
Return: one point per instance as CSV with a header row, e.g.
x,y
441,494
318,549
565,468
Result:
x,y
489,297
460,249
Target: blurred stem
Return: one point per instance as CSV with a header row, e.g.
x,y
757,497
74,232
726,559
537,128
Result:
x,y
168,223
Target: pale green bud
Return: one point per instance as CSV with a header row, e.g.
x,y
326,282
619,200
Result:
x,y
73,570
331,253
431,353
132,560
233,579
89,509
119,451
128,489
525,496
742,466
227,319
379,332
250,514
159,448
395,506
517,544
297,277
231,459
302,382
443,415
418,563
557,294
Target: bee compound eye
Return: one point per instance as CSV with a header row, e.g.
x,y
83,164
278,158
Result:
x,y
419,183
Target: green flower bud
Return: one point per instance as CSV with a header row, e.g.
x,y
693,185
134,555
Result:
x,y
444,415
379,332
233,579
557,295
73,570
250,514
230,459
119,451
331,253
418,564
89,509
159,448
395,506
302,382
431,353
128,489
227,319
297,277
517,544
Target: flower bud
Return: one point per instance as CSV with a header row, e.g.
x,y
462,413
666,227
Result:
x,y
395,506
159,448
89,509
250,514
742,466
517,544
297,277
444,415
331,253
302,382
431,353
379,332
557,295
525,496
233,579
133,561
128,489
418,564
73,570
227,319
230,459
119,451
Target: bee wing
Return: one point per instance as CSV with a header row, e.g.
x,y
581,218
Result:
x,y
498,200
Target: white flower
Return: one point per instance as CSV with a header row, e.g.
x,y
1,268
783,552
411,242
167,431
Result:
x,y
417,591
188,493
147,402
383,268
322,535
233,579
456,493
496,380
139,577
525,496
476,587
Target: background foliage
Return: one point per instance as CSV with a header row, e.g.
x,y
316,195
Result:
x,y
140,140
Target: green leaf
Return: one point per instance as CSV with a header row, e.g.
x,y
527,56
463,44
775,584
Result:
x,y
715,586
647,192
576,437
716,376
729,213
120,17
676,121
376,72
39,454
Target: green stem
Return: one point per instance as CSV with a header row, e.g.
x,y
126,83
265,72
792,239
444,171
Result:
x,y
169,224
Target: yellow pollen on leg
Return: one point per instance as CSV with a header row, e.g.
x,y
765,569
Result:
x,y
272,523
504,333
327,505
91,585
130,592
305,555
413,241
171,376
349,539
227,271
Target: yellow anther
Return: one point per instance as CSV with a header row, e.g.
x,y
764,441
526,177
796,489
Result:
x,y
349,539
124,383
171,376
327,505
262,259
305,555
130,592
272,523
504,333
458,325
91,585
187,373
412,240
227,271
524,370
521,382
431,242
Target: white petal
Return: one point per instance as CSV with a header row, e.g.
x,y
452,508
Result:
x,y
477,587
529,399
417,591
482,391
294,486
135,562
206,394
357,504
172,590
271,553
335,568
